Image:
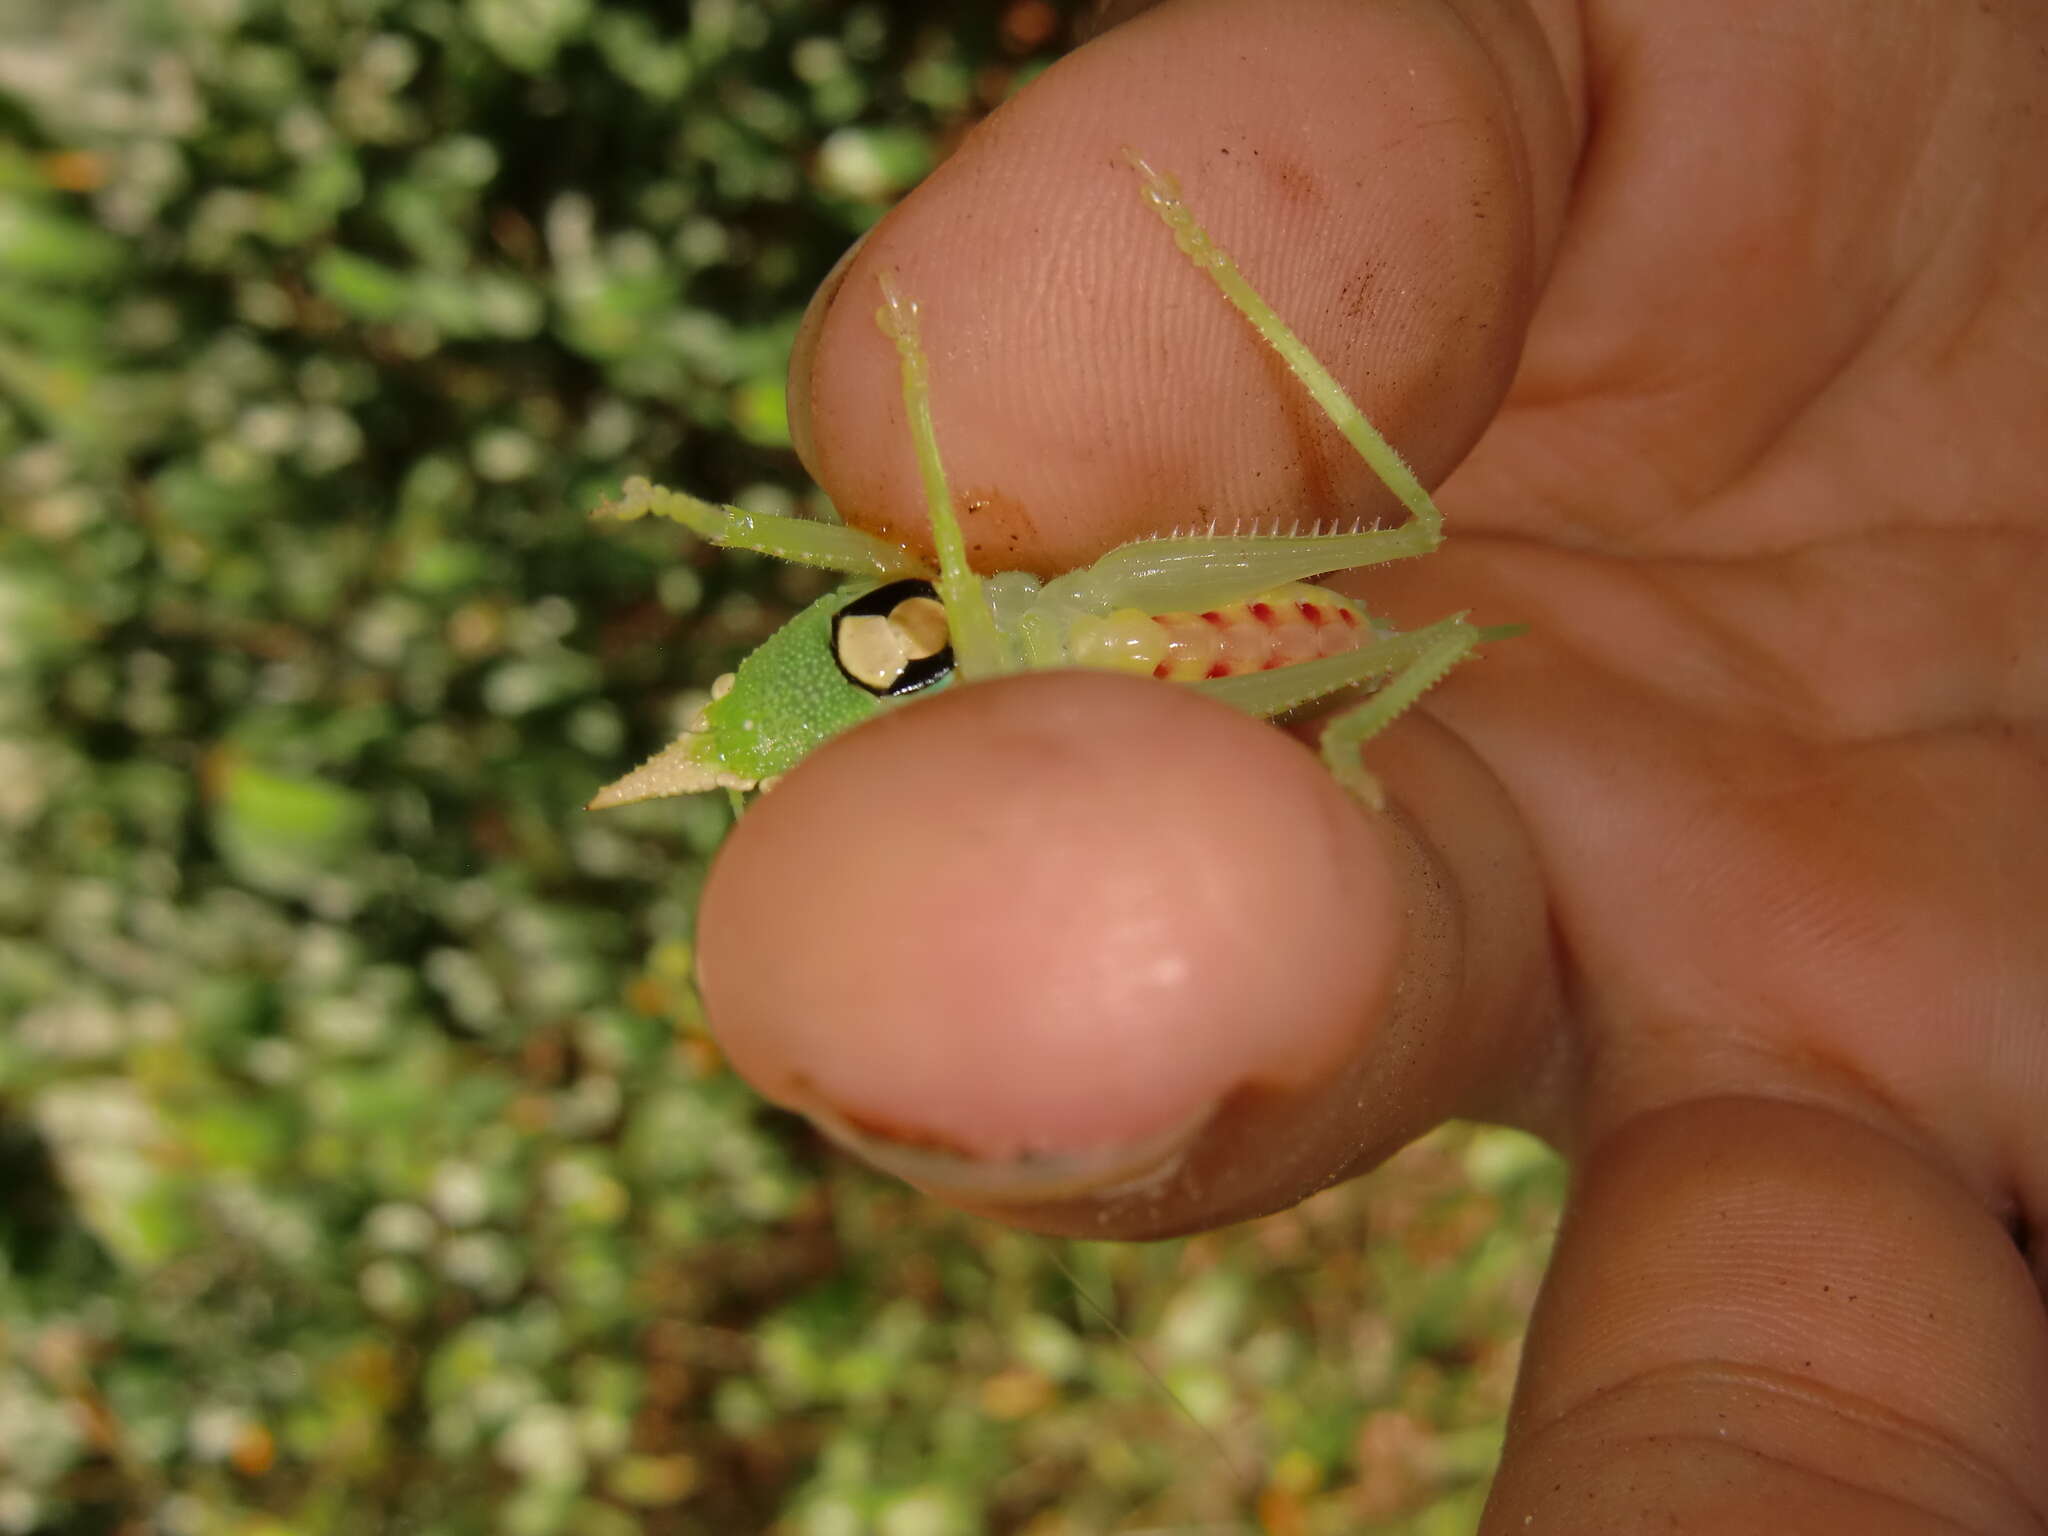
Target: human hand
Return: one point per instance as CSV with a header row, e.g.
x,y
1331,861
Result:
x,y
1730,878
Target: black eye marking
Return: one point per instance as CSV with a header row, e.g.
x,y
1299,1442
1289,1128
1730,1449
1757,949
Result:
x,y
874,666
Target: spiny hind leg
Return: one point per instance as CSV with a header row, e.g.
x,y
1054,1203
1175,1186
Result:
x,y
1424,529
1410,665
1430,654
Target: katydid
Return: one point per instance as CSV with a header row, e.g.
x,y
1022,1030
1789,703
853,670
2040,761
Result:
x,y
1227,613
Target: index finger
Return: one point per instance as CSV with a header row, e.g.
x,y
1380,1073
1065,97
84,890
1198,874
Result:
x,y
1369,168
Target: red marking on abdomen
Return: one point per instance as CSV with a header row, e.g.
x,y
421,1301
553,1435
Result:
x,y
1275,629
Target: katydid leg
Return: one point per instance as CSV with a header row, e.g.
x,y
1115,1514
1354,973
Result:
x,y
1444,645
798,540
1424,529
1189,573
1411,664
979,649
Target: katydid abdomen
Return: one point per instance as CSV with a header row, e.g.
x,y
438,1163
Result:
x,y
1275,628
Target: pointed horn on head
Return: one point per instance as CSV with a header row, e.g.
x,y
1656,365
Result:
x,y
674,770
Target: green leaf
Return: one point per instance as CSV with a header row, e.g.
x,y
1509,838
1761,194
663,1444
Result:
x,y
364,289
285,833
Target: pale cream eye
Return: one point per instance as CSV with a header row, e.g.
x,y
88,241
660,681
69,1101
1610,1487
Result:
x,y
922,623
894,640
872,650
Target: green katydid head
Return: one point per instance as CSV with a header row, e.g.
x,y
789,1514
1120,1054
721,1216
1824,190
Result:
x,y
839,662
896,630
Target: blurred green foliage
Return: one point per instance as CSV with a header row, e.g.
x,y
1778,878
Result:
x,y
365,1165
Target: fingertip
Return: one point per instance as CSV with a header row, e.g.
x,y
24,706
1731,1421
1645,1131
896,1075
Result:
x,y
1771,1315
1088,385
1104,957
803,354
1046,918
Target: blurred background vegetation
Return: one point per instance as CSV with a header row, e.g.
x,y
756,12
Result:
x,y
364,1164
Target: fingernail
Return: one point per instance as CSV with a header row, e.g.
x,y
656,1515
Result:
x,y
806,344
1030,1179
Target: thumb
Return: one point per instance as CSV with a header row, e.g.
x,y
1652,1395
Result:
x,y
1089,949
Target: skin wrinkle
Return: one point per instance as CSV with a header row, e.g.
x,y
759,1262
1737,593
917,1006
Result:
x,y
1721,1208
1758,669
1620,375
1822,691
1752,675
1774,674
1752,484
1905,1104
1746,669
1922,273
1615,1445
1895,917
1700,674
1898,385
1831,1407
1799,1393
